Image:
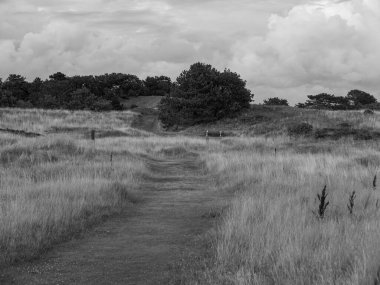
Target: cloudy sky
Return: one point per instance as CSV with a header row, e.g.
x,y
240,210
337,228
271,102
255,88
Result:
x,y
284,48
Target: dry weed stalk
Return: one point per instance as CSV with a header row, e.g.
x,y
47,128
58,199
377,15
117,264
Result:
x,y
351,202
374,182
323,203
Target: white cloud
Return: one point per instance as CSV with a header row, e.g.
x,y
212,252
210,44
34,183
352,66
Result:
x,y
330,44
286,49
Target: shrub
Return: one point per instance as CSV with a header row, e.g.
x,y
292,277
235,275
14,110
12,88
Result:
x,y
359,98
203,94
301,129
338,133
364,135
333,133
276,101
369,112
345,125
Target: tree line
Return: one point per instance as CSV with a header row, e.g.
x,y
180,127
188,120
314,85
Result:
x,y
354,100
200,94
98,93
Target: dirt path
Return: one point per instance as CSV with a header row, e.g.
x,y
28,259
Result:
x,y
137,247
147,120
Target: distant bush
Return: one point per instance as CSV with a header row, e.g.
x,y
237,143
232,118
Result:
x,y
355,100
338,133
220,134
345,125
325,101
365,135
276,102
302,129
369,112
333,133
360,98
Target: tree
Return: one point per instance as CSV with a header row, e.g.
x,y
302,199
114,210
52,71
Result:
x,y
325,101
157,85
132,86
59,76
359,98
36,85
80,99
36,91
17,86
203,94
276,101
56,93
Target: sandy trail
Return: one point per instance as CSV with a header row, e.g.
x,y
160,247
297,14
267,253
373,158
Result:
x,y
139,246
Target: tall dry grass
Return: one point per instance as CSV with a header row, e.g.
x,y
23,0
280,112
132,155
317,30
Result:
x,y
41,121
270,234
54,187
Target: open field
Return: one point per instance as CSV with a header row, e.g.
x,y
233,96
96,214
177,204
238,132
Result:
x,y
52,188
274,120
55,186
61,121
271,234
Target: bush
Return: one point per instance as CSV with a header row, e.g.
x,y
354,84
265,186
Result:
x,y
302,129
338,133
364,135
203,94
333,133
369,112
345,125
360,98
275,101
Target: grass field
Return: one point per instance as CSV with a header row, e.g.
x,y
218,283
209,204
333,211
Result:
x,y
271,233
57,185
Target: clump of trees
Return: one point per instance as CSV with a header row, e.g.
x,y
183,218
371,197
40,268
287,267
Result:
x,y
355,99
99,93
276,101
204,94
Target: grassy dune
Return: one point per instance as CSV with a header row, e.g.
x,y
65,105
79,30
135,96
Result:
x,y
274,121
45,121
52,188
56,185
271,235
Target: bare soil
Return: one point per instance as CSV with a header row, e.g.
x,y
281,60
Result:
x,y
140,246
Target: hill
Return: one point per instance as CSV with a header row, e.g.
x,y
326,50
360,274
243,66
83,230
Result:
x,y
275,120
